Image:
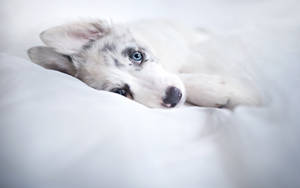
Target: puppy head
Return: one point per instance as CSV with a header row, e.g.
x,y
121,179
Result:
x,y
107,57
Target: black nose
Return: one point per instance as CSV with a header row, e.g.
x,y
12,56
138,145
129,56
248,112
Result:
x,y
173,96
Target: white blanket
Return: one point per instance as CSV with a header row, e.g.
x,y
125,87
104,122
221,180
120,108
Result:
x,y
56,132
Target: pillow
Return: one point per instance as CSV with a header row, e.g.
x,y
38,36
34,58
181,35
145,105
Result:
x,y
58,132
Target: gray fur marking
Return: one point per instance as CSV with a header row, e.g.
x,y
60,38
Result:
x,y
109,47
88,45
117,63
126,51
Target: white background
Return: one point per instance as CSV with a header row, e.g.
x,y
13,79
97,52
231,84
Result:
x,y
22,21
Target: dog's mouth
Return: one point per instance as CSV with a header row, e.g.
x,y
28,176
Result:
x,y
168,105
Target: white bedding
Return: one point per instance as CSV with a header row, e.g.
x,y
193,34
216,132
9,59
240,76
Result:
x,y
56,132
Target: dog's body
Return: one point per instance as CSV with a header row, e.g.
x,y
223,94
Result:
x,y
161,67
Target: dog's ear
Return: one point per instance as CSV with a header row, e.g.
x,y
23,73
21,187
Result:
x,y
70,38
50,59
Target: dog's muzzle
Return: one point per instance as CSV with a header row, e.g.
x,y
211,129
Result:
x,y
172,97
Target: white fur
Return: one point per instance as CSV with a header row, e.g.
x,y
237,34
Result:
x,y
177,59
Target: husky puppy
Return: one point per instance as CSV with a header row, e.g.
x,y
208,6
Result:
x,y
158,67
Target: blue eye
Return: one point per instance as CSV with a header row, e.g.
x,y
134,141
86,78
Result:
x,y
137,57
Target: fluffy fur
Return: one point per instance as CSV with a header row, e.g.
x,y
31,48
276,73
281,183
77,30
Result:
x,y
98,53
